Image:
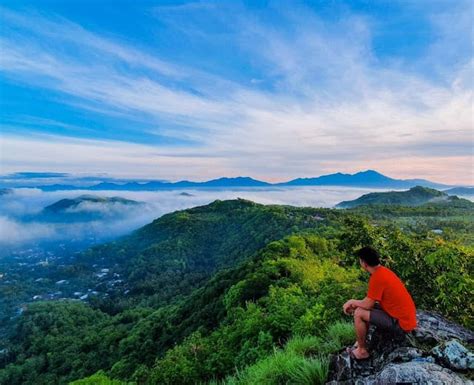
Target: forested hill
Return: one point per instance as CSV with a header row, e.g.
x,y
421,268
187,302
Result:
x,y
413,197
236,292
87,207
175,253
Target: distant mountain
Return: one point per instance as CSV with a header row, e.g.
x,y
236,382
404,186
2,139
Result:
x,y
460,191
87,207
233,182
60,187
158,185
369,178
131,186
414,197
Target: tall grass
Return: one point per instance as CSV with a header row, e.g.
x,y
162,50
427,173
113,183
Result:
x,y
284,367
342,333
303,361
304,345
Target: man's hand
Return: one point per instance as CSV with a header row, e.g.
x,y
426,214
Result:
x,y
349,307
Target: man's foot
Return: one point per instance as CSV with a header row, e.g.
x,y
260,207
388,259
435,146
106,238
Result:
x,y
355,346
358,354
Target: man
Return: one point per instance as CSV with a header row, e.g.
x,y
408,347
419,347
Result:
x,y
396,311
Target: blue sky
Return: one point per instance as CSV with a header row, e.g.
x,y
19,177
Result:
x,y
270,89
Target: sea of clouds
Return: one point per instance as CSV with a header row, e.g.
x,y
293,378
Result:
x,y
15,229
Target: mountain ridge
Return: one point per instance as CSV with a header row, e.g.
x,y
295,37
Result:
x,y
367,178
415,196
460,191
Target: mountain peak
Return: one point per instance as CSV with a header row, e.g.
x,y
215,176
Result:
x,y
369,172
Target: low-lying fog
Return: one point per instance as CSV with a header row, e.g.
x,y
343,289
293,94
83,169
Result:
x,y
17,210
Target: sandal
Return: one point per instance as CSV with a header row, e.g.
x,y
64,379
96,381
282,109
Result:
x,y
350,351
350,348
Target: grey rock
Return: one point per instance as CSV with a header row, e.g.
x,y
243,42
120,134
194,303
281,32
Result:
x,y
341,367
432,327
414,373
455,355
408,358
404,354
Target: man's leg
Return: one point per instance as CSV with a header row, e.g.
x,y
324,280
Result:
x,y
361,320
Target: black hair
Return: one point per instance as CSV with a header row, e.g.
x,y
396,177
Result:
x,y
369,255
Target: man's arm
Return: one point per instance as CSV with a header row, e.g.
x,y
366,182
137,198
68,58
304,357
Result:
x,y
366,303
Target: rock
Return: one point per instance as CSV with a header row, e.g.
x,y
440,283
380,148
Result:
x,y
434,328
410,358
413,373
405,354
455,355
341,367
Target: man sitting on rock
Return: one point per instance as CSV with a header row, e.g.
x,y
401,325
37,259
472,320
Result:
x,y
388,304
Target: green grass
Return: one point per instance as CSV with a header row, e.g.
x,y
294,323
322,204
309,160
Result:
x,y
284,367
99,378
304,345
341,333
303,361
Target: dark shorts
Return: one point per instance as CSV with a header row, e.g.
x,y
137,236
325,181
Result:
x,y
382,320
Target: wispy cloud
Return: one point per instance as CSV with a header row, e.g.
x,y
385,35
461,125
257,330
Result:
x,y
323,101
118,220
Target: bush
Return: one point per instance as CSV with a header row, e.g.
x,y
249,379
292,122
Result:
x,y
99,378
284,367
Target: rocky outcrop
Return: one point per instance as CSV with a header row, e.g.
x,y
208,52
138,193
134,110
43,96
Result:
x,y
437,352
454,355
434,328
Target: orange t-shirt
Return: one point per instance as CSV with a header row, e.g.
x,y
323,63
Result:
x,y
386,288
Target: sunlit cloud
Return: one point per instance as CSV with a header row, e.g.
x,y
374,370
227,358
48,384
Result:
x,y
320,100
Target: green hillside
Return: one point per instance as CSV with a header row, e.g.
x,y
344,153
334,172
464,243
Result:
x,y
414,197
68,204
234,292
86,208
177,252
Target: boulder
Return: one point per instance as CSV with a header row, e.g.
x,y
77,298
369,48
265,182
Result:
x,y
434,328
454,355
410,358
413,373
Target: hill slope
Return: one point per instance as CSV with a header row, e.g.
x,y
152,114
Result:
x,y
414,197
87,207
174,253
267,304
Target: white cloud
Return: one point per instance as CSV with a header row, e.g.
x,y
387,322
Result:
x,y
15,230
24,203
331,103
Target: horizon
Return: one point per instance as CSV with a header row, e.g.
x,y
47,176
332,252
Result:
x,y
183,90
52,178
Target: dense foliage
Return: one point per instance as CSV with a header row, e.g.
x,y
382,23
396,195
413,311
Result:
x,y
239,293
413,197
178,252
